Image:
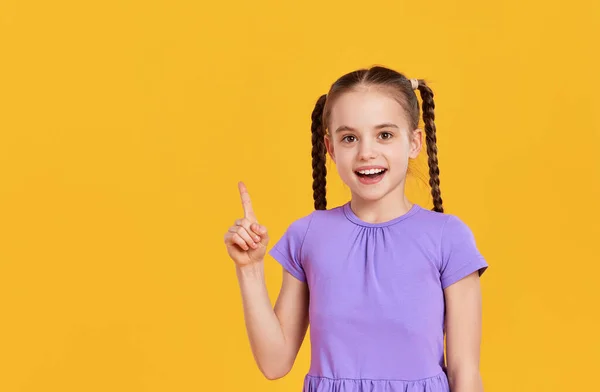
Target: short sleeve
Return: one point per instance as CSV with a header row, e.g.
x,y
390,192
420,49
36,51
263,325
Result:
x,y
288,250
459,252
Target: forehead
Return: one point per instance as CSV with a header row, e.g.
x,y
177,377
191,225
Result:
x,y
365,109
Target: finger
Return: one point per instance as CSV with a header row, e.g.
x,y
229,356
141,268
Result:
x,y
236,239
262,232
246,237
243,222
258,229
246,224
231,238
246,202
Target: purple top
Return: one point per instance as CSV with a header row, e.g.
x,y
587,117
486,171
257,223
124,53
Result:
x,y
376,296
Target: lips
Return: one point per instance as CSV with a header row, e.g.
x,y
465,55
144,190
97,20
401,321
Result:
x,y
370,175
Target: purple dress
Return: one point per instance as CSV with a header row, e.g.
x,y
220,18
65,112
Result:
x,y
376,296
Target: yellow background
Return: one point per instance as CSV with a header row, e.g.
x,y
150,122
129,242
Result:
x,y
125,125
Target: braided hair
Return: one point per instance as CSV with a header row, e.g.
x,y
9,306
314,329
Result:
x,y
319,155
431,141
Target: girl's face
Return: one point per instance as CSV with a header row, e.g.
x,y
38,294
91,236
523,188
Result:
x,y
370,141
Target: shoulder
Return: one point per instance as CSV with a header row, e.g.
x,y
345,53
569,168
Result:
x,y
449,232
289,249
456,248
431,224
443,223
456,230
317,221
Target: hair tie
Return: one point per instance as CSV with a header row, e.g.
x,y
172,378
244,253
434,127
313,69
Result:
x,y
414,83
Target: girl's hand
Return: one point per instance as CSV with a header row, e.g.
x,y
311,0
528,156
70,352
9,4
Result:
x,y
246,240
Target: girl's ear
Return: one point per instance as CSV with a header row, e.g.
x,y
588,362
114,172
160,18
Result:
x,y
416,143
329,146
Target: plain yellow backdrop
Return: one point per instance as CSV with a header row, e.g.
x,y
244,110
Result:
x,y
125,126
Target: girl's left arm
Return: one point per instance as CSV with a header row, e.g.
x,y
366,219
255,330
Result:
x,y
463,334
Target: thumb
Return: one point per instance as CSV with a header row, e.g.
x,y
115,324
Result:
x,y
262,233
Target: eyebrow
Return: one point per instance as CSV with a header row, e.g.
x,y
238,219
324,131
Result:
x,y
380,126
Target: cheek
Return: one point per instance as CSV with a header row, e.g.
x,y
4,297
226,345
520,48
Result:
x,y
344,156
397,152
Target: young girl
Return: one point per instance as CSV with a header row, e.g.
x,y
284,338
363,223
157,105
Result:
x,y
380,278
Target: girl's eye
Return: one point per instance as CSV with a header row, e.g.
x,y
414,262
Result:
x,y
348,139
386,135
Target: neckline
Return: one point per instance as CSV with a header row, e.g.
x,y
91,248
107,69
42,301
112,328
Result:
x,y
355,219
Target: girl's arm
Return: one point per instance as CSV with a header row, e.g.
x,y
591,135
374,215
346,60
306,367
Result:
x,y
463,334
275,334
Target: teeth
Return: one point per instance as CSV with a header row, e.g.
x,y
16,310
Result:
x,y
370,171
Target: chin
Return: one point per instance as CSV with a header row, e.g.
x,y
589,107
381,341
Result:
x,y
370,196
369,193
373,193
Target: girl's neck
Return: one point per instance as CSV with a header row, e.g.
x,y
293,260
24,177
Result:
x,y
389,207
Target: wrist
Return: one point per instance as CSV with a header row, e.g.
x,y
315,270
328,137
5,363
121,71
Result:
x,y
251,271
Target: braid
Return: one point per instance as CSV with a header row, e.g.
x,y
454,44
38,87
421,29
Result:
x,y
319,155
428,119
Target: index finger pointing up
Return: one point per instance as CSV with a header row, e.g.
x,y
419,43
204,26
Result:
x,y
246,203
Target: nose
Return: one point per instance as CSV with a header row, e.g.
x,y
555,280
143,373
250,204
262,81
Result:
x,y
367,150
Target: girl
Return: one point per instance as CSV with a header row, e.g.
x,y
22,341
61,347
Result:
x,y
380,278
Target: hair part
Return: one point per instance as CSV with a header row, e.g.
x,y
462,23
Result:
x,y
402,91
